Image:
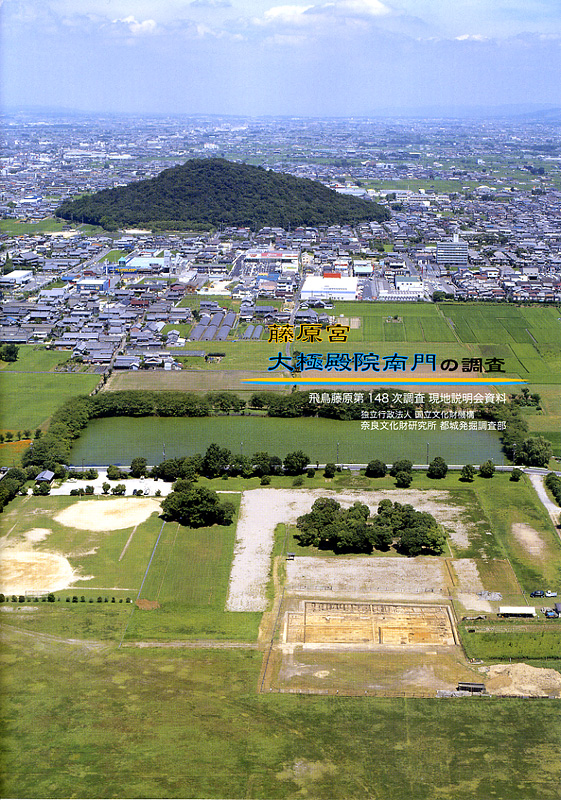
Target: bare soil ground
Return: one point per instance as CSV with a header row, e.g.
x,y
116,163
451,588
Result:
x,y
147,605
369,577
529,538
107,515
262,510
23,569
521,679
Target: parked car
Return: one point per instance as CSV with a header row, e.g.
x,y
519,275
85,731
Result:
x,y
538,593
550,594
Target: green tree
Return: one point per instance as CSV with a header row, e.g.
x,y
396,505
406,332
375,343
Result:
x,y
113,473
516,474
437,468
376,469
9,352
105,486
536,451
329,471
401,465
215,461
295,463
487,469
403,479
197,508
467,473
138,467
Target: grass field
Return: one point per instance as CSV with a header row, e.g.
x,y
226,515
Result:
x,y
525,338
86,714
119,439
29,399
48,225
30,391
105,723
188,577
32,358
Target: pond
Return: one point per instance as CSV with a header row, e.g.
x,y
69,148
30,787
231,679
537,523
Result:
x,y
117,440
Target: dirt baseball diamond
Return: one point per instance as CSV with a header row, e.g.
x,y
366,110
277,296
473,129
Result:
x,y
23,569
107,515
261,510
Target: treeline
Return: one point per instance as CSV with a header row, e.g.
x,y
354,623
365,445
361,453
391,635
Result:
x,y
553,483
212,191
69,420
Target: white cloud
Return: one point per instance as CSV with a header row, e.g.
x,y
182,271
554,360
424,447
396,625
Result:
x,y
135,27
285,14
469,37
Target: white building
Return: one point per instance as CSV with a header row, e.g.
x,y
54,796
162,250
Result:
x,y
319,288
17,277
453,252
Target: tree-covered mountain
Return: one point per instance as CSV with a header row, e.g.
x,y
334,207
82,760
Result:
x,y
207,192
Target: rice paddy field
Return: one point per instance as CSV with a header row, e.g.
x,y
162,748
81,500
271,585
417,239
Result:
x,y
117,440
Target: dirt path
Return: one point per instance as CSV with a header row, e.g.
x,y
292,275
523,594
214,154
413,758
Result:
x,y
129,540
93,644
553,510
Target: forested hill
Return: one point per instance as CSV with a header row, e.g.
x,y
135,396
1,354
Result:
x,y
203,193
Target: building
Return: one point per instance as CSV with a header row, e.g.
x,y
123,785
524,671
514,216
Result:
x,y
16,277
322,288
452,253
517,611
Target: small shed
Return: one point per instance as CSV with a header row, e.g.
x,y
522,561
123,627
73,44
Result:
x,y
45,477
469,686
517,611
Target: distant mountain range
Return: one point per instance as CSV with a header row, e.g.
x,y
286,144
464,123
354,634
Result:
x,y
207,192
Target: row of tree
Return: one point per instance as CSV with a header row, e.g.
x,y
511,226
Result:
x,y
330,527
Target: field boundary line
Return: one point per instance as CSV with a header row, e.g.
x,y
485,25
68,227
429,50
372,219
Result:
x,y
167,564
142,584
129,540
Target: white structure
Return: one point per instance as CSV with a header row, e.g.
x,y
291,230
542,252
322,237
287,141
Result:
x,y
318,288
409,285
453,252
17,277
517,611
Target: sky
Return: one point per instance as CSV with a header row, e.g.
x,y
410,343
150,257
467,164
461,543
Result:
x,y
302,58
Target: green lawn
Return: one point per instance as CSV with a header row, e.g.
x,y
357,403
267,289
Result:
x,y
175,723
114,255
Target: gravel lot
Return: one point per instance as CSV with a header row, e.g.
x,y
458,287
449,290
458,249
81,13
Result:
x,y
262,510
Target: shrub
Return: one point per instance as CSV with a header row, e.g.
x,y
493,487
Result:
x,y
298,481
376,469
467,473
265,480
329,471
516,474
310,473
403,479
487,469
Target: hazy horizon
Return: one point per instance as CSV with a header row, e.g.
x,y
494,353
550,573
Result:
x,y
254,58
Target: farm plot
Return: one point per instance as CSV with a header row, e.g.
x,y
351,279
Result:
x,y
368,624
